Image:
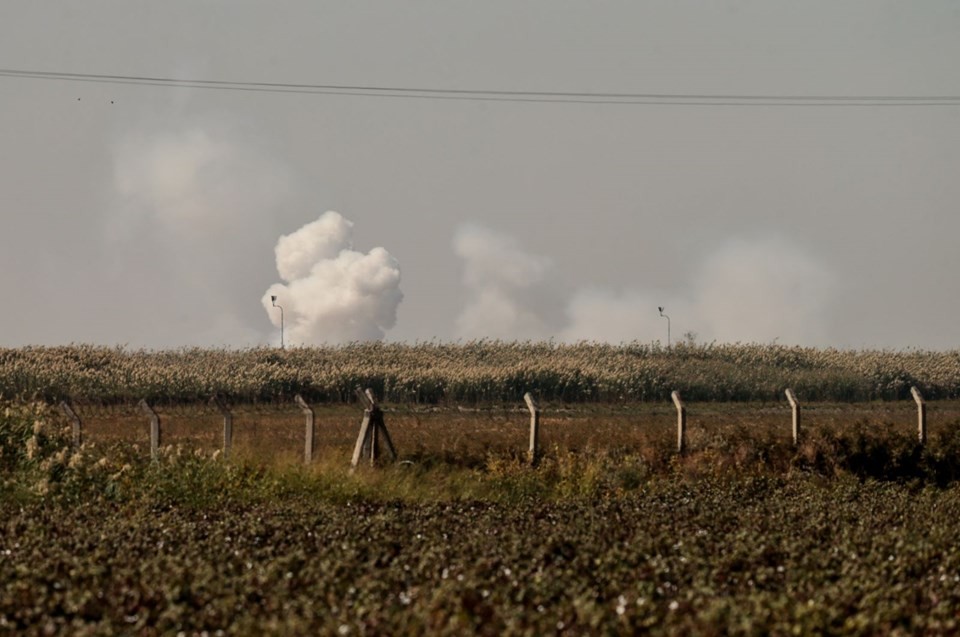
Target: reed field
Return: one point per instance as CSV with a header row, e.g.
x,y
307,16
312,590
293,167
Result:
x,y
850,532
484,372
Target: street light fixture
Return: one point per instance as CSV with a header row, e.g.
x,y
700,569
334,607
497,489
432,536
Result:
x,y
273,300
668,324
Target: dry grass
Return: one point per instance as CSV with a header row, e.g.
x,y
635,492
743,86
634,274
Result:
x,y
477,373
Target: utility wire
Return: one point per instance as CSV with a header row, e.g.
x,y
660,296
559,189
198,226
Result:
x,y
667,99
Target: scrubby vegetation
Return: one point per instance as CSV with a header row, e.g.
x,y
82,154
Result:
x,y
478,372
852,533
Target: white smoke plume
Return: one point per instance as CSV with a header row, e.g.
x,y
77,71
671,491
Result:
x,y
597,314
761,291
332,293
194,183
751,291
509,297
194,205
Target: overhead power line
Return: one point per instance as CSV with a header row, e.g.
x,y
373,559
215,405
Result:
x,y
669,99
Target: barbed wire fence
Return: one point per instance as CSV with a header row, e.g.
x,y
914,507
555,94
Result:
x,y
290,427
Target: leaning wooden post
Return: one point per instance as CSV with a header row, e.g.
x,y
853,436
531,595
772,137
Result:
x,y
921,415
75,421
154,428
227,424
681,422
795,406
308,428
533,452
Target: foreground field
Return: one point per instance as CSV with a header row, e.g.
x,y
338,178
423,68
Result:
x,y
299,555
852,533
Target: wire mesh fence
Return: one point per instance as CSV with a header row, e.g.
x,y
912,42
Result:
x,y
466,435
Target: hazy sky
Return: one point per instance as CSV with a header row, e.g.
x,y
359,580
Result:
x,y
149,215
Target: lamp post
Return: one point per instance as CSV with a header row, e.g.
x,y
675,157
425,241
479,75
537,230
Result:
x,y
668,324
273,299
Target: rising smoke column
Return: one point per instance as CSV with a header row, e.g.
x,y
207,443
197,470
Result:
x,y
763,290
193,198
332,293
509,296
195,183
757,290
619,316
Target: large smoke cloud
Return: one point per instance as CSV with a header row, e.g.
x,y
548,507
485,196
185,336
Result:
x,y
197,206
332,293
752,291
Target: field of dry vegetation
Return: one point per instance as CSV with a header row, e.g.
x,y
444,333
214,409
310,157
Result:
x,y
478,373
850,532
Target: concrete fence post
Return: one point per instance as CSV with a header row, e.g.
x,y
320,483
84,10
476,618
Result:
x,y
74,421
371,447
921,415
372,427
681,422
358,449
533,451
227,424
309,428
154,428
795,407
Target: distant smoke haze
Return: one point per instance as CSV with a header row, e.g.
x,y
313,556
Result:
x,y
759,290
332,293
195,210
194,206
508,294
194,203
763,290
600,314
195,182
